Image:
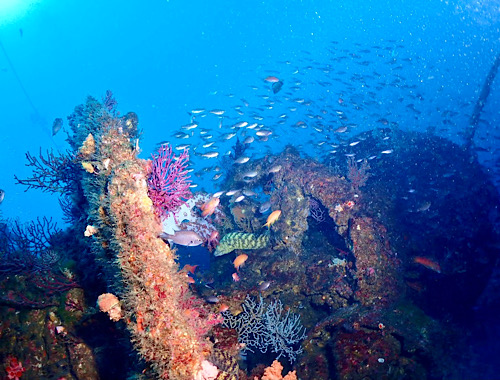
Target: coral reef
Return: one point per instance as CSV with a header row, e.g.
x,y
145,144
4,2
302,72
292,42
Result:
x,y
322,287
300,180
118,226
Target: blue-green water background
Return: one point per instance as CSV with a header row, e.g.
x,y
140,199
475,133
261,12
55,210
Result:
x,y
164,58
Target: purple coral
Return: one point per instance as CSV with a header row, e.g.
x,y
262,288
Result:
x,y
168,181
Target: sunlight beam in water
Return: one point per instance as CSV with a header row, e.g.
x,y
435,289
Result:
x,y
13,10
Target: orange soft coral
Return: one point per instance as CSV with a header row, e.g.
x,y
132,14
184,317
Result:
x,y
274,373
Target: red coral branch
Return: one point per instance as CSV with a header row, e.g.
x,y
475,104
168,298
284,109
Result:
x,y
168,181
357,175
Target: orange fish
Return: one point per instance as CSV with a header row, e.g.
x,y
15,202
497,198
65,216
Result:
x,y
235,276
223,307
209,207
273,217
428,263
415,285
190,268
272,79
239,261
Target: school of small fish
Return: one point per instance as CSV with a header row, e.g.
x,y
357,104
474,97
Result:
x,y
322,108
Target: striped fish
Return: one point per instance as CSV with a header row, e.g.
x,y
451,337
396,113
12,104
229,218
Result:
x,y
241,240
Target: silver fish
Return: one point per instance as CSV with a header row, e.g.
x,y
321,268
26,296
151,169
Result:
x,y
210,155
217,112
251,174
264,133
249,193
186,238
212,299
264,207
241,124
242,160
187,127
274,169
264,286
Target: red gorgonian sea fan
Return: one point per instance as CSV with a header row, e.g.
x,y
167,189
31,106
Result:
x,y
168,180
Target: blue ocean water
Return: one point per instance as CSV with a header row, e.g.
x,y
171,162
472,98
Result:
x,y
363,65
169,57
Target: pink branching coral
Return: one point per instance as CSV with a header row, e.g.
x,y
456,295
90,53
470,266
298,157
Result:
x,y
168,181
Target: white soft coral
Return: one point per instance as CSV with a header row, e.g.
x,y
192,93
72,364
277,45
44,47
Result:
x,y
207,372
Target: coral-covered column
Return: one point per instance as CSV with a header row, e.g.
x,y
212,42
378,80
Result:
x,y
167,324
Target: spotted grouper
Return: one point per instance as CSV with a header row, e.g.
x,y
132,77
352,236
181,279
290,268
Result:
x,y
241,240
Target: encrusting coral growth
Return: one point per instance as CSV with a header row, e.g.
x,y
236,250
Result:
x,y
167,323
163,319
